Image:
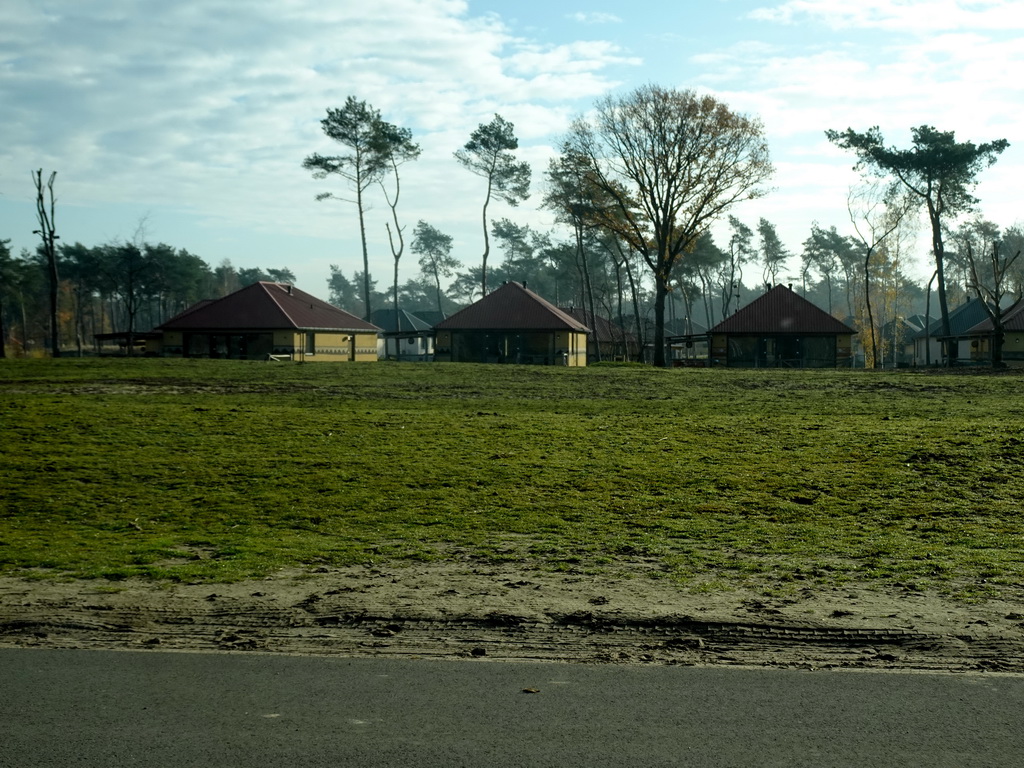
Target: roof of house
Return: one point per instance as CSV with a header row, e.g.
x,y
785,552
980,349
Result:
x,y
781,310
961,319
266,306
605,329
431,316
405,322
512,307
1013,320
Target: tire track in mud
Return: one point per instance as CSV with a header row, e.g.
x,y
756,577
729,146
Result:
x,y
313,627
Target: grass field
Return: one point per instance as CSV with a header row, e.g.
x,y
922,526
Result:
x,y
206,469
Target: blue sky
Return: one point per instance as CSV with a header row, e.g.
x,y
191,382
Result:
x,y
195,115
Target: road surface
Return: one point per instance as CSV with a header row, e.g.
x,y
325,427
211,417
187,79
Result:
x,y
116,708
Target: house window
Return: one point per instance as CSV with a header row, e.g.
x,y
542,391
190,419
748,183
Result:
x,y
310,343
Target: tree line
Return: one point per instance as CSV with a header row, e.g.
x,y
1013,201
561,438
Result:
x,y
640,185
640,189
117,287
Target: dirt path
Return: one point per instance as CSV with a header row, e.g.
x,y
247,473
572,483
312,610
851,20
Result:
x,y
443,610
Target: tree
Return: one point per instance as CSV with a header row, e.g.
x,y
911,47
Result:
x,y
730,272
21,282
342,293
359,127
7,278
81,266
773,252
488,154
991,276
876,215
1013,241
991,293
672,162
434,249
937,170
399,148
225,278
251,275
704,262
46,216
283,275
576,201
820,254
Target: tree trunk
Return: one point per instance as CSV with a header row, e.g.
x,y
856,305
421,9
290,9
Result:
x,y
398,318
366,256
620,315
939,251
660,296
635,296
871,315
487,242
3,331
437,284
582,255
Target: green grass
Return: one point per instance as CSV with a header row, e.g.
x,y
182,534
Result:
x,y
197,469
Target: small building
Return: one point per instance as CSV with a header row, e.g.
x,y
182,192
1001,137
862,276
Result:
x,y
981,337
512,325
781,329
931,345
268,320
405,336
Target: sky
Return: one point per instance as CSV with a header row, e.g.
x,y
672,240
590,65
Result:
x,y
187,121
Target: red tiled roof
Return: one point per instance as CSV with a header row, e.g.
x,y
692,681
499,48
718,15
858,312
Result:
x,y
782,311
512,308
266,306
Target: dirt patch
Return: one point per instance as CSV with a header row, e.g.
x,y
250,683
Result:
x,y
503,613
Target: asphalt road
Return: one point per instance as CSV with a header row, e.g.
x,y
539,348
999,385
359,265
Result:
x,y
110,709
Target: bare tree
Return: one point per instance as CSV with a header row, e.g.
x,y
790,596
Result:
x,y
876,213
399,147
672,162
46,216
990,280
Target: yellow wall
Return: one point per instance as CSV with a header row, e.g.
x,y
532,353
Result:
x,y
844,350
365,347
574,345
329,347
339,347
1013,348
537,345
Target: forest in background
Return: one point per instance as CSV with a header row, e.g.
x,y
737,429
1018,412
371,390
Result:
x,y
640,192
121,286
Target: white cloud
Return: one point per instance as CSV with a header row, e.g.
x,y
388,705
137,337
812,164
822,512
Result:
x,y
209,107
594,17
907,16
